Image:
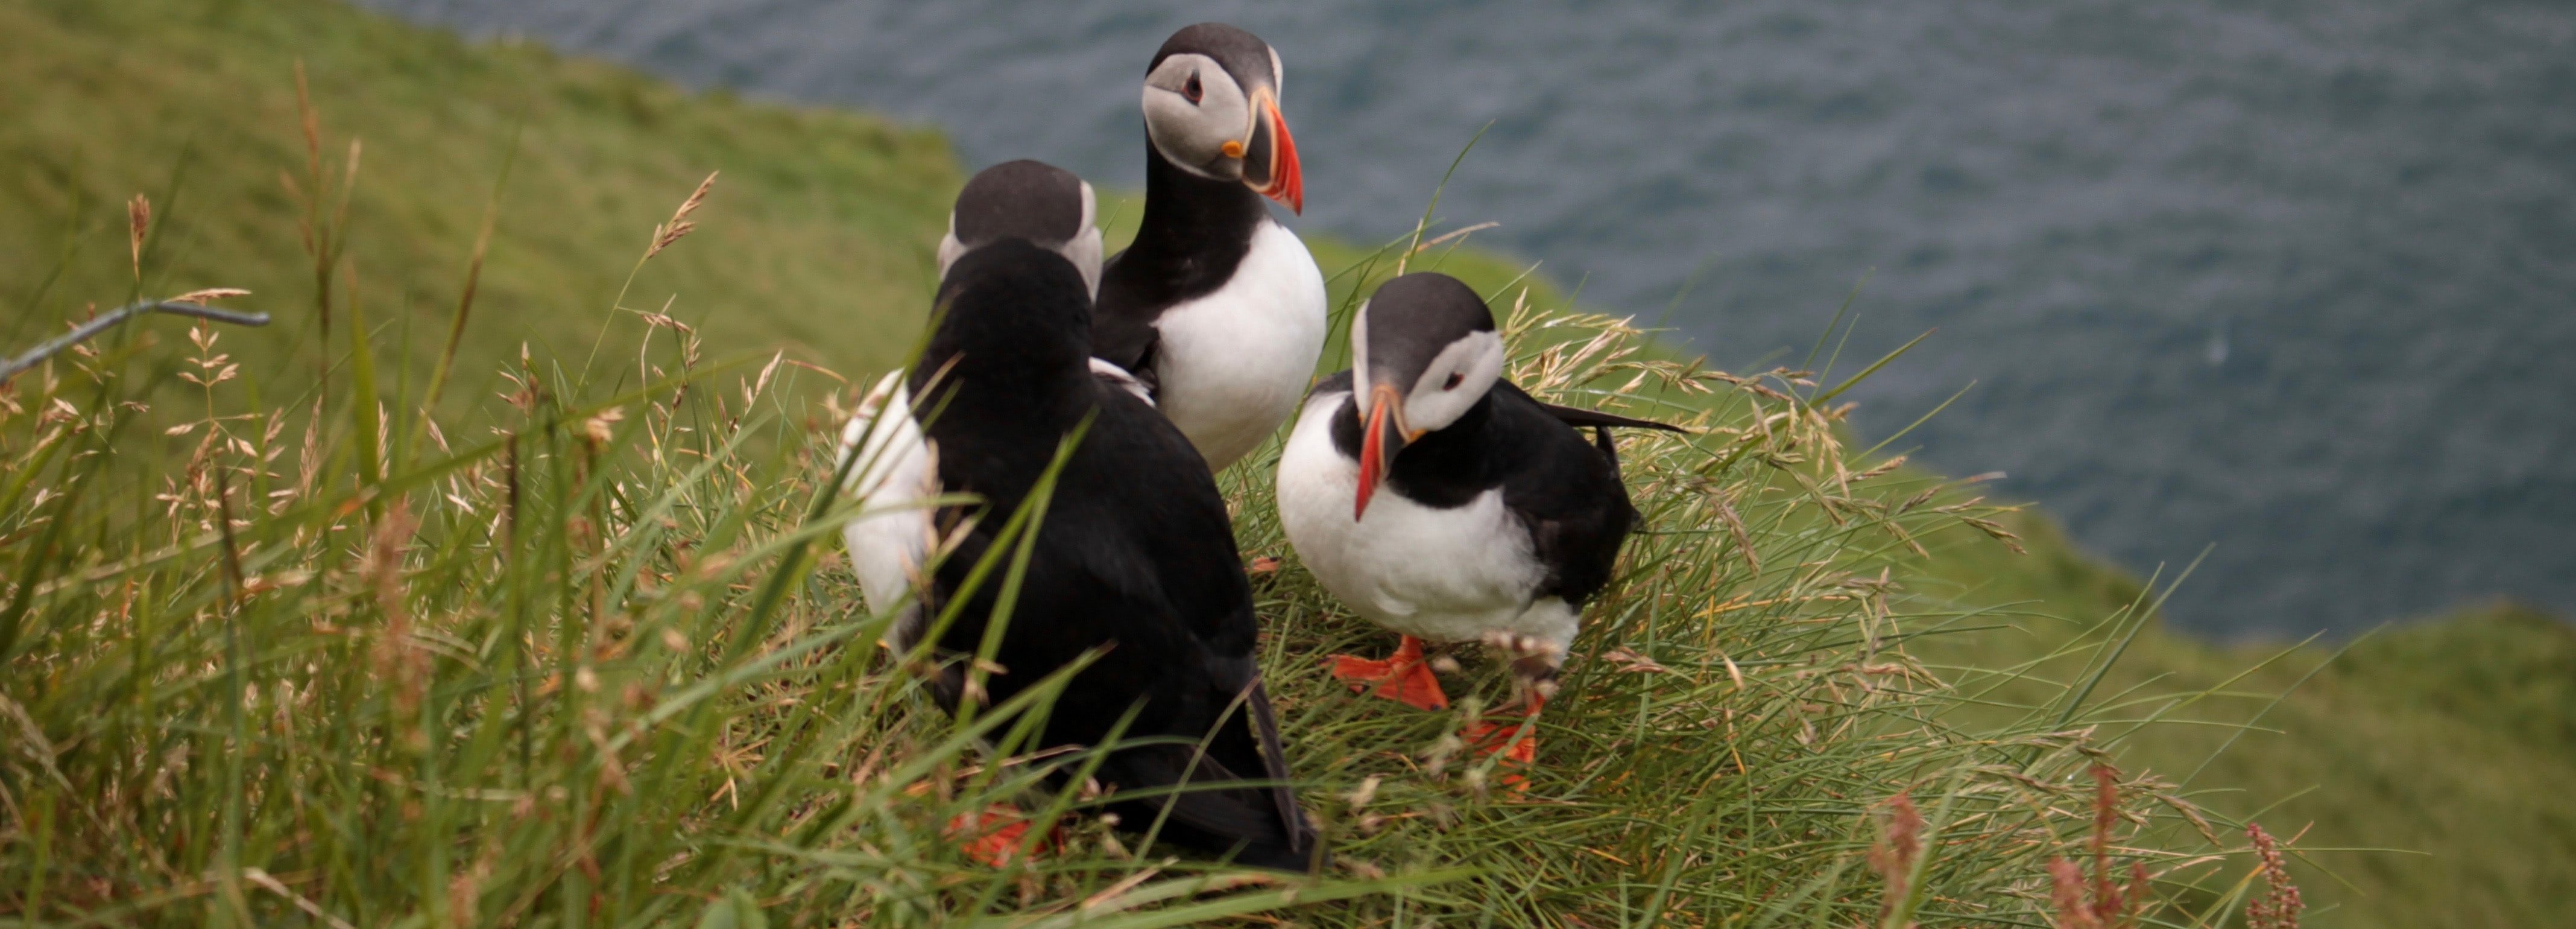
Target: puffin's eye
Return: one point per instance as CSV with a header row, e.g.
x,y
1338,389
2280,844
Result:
x,y
1192,91
1455,379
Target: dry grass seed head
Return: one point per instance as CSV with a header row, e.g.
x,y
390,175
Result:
x,y
208,295
138,221
680,224
399,659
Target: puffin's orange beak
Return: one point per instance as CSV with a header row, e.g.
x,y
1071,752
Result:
x,y
1375,447
1282,182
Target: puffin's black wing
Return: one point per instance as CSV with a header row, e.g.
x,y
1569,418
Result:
x,y
1173,556
1565,490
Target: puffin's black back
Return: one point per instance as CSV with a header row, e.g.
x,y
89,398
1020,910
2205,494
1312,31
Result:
x,y
1567,491
1135,555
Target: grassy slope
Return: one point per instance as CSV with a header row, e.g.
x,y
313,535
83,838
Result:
x,y
816,241
2452,737
814,238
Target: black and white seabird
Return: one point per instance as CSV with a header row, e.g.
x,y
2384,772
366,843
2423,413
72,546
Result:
x,y
1440,501
1134,559
1215,306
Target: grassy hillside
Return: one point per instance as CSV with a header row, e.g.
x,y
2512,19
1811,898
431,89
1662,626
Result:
x,y
2452,738
2436,752
816,237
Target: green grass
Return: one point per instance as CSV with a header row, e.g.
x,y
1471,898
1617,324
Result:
x,y
601,670
814,237
387,743
2444,743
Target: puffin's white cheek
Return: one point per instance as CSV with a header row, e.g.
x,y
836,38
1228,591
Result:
x,y
1226,117
1083,251
1360,354
949,251
1431,406
1453,383
1435,409
1167,124
1188,137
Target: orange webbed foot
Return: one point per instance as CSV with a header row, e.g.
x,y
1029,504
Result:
x,y
1504,738
991,835
1403,677
1498,738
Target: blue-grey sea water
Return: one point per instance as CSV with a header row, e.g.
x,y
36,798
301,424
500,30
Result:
x,y
2296,277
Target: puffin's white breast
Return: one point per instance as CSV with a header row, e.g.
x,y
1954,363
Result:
x,y
1448,575
894,471
1233,363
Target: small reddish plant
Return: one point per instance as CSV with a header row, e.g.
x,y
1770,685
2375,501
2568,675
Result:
x,y
1900,843
2279,908
2101,904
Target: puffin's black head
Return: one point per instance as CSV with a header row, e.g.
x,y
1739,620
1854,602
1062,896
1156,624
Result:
x,y
1423,353
1032,200
1212,109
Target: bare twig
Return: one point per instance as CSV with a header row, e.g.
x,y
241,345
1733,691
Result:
x,y
110,319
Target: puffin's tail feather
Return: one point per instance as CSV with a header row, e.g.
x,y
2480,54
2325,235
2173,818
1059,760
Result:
x,y
1274,764
1206,810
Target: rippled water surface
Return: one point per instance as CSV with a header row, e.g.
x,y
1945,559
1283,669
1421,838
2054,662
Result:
x,y
2298,278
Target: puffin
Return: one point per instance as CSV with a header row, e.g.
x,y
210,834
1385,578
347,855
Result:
x,y
1133,566
1216,308
1438,500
